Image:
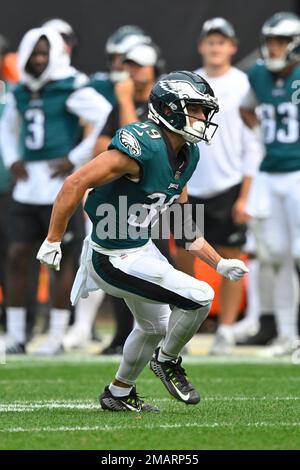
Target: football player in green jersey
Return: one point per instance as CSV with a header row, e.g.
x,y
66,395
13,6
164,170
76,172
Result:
x,y
120,42
41,144
144,172
275,198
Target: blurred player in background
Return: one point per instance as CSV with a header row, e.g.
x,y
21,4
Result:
x,y
80,332
120,42
275,197
41,144
141,64
223,175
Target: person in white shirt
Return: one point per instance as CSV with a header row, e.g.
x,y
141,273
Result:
x,y
41,144
223,176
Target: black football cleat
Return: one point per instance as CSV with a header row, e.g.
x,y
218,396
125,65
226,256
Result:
x,y
173,376
131,402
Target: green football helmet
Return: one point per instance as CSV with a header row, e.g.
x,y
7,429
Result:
x,y
282,25
120,42
168,105
124,38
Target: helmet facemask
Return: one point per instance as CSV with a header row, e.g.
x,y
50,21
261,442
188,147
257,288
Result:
x,y
200,129
175,117
291,54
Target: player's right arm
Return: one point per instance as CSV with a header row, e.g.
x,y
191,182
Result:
x,y
106,167
233,269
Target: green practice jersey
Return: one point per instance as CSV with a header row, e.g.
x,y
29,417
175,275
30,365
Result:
x,y
123,210
279,115
103,85
49,130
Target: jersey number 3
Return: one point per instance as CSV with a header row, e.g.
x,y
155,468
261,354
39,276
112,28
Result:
x,y
35,137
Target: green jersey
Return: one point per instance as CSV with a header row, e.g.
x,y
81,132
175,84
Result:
x,y
279,115
123,211
49,130
5,176
103,85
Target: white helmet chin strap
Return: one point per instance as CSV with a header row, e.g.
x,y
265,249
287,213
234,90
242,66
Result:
x,y
195,132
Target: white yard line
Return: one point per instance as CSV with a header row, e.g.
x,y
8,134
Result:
x,y
29,360
213,380
31,406
31,381
106,428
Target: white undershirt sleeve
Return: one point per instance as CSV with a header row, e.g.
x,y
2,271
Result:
x,y
249,100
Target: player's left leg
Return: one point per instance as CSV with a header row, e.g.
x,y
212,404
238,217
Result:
x,y
153,323
151,276
166,362
150,327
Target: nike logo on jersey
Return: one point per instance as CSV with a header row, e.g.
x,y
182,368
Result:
x,y
182,395
140,133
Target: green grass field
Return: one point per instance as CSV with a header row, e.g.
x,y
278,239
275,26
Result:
x,y
52,404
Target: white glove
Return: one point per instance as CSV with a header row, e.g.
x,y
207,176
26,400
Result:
x,y
232,269
50,254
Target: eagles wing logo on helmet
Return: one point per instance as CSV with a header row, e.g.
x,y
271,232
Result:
x,y
179,87
186,90
129,141
167,85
